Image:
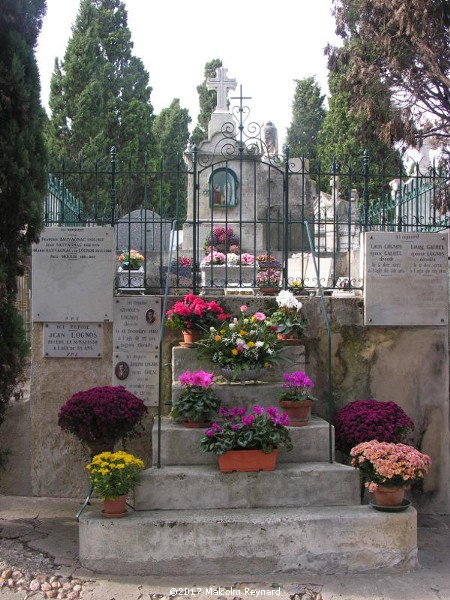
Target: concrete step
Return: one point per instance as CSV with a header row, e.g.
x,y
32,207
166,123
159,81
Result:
x,y
292,359
205,487
181,446
258,541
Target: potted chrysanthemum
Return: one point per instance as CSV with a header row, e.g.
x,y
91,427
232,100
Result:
x,y
247,440
101,416
197,400
296,398
242,346
113,475
388,469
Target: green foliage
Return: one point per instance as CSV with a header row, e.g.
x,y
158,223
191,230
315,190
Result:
x,y
196,402
207,101
22,172
308,113
99,98
171,129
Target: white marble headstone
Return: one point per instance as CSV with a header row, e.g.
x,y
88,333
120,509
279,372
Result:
x,y
406,279
73,274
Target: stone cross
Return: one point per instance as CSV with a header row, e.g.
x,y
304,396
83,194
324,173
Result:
x,y
221,84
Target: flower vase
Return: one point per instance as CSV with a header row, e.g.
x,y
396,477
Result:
x,y
114,508
131,278
298,412
247,461
243,375
190,336
389,496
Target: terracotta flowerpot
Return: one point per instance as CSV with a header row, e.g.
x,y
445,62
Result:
x,y
190,336
269,291
114,509
289,339
247,461
191,424
299,413
389,496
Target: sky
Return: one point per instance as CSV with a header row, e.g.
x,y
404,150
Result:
x,y
264,46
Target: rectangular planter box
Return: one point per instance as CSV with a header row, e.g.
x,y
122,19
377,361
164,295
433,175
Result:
x,y
228,275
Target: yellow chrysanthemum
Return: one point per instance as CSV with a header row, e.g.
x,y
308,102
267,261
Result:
x,y
251,344
234,352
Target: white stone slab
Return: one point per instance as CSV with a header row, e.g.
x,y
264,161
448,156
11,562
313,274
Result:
x,y
137,322
73,274
406,279
73,340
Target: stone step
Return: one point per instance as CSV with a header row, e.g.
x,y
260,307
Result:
x,y
292,359
295,541
205,487
181,446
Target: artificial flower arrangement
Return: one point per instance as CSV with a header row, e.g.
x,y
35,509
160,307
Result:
x,y
262,429
198,399
296,387
296,286
244,259
114,474
246,342
214,258
268,278
365,420
103,414
388,464
182,261
288,317
267,261
194,313
131,260
223,239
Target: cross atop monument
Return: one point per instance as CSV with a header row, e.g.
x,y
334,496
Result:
x,y
221,84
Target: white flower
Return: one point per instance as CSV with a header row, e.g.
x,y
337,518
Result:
x,y
232,259
288,300
259,344
232,326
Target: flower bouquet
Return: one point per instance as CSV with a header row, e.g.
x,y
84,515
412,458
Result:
x,y
386,465
194,313
296,398
244,343
242,437
365,420
131,260
113,475
197,400
223,239
288,317
269,278
101,416
267,261
245,259
214,258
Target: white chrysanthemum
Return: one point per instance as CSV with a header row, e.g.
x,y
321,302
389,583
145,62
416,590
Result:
x,y
259,344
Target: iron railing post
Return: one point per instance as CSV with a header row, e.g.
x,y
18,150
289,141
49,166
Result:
x,y
286,216
194,218
366,189
112,193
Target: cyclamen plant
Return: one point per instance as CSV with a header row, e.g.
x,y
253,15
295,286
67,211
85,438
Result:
x,y
365,420
103,413
391,465
288,316
198,399
262,429
297,387
268,278
194,313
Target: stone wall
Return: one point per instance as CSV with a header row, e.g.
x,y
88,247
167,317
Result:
x,y
408,365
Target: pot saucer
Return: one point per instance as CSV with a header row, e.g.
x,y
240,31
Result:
x,y
403,506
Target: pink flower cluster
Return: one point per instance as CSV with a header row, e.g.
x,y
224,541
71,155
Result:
x,y
298,379
215,258
193,312
222,233
196,378
247,259
389,464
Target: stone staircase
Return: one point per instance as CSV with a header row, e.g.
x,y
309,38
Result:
x,y
304,517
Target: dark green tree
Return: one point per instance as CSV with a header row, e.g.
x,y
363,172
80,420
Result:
x,y
171,129
308,113
407,46
207,101
100,98
22,171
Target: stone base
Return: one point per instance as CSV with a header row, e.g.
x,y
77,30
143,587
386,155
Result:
x,y
296,541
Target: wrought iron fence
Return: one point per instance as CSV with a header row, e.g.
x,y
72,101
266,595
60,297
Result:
x,y
265,200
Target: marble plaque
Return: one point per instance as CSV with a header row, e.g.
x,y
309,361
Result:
x,y
73,340
137,322
73,274
406,279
